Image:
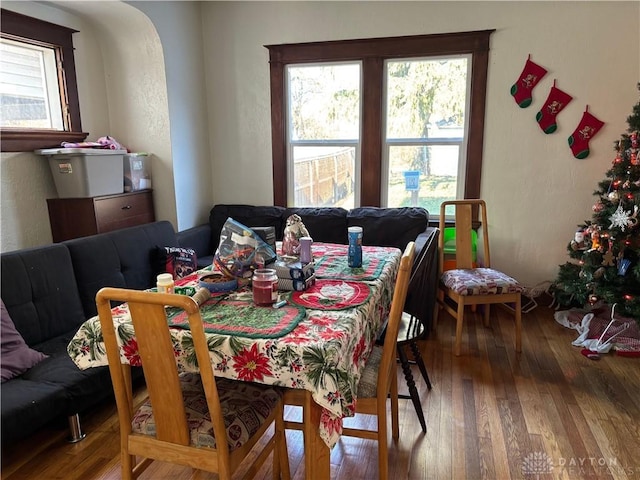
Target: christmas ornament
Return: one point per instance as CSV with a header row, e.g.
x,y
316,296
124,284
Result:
x,y
598,273
623,266
529,78
607,261
555,102
593,299
585,131
623,219
598,206
614,196
578,241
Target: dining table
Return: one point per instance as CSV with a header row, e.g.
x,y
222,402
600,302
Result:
x,y
317,341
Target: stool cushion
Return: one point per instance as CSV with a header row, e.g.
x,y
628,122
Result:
x,y
479,281
245,407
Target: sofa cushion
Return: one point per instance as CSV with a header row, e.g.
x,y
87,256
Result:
x,y
249,215
82,388
40,292
122,258
26,406
389,227
17,357
325,224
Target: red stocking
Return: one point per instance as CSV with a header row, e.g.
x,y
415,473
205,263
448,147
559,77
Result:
x,y
556,101
585,131
530,76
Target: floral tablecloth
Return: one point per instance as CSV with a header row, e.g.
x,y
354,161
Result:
x,y
324,352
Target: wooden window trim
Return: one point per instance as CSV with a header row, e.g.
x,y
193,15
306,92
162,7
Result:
x,y
21,27
373,52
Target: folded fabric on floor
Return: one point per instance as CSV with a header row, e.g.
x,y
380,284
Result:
x,y
623,335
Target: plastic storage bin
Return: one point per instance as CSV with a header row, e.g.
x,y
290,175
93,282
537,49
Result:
x,y
85,172
137,172
450,248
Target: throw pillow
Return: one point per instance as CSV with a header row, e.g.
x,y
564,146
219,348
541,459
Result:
x,y
17,357
179,262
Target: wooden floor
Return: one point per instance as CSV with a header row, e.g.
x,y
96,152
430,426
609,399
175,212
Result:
x,y
546,413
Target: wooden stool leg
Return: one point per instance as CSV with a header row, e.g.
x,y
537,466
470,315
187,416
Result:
x,y
418,359
413,391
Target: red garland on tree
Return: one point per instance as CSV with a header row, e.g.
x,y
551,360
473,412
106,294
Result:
x,y
605,253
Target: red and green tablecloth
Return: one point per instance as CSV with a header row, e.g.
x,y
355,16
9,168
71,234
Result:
x,y
319,341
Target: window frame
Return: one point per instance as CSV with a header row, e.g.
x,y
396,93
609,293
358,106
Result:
x,y
22,28
373,52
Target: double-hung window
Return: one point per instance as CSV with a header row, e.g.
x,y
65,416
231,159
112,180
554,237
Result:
x,y
382,122
38,93
323,112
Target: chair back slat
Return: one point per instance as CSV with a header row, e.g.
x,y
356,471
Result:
x,y
466,213
160,371
464,227
397,307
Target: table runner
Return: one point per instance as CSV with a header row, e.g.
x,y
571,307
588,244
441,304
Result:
x,y
331,262
221,315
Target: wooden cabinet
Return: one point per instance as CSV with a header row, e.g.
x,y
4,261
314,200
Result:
x,y
80,217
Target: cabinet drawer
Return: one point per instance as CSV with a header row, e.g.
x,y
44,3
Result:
x,y
123,211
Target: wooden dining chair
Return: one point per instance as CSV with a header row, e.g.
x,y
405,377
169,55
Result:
x,y
189,419
379,380
465,285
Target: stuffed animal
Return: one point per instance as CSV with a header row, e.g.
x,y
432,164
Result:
x,y
293,231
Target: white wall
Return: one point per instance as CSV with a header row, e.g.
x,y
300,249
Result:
x,y
536,191
122,91
26,180
179,27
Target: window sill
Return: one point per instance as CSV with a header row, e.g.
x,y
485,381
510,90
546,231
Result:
x,y
16,140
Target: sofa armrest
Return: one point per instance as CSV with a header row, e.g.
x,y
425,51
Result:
x,y
198,238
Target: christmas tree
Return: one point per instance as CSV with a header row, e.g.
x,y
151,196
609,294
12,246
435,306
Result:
x,y
605,254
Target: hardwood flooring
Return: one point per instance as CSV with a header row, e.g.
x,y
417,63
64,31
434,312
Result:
x,y
546,413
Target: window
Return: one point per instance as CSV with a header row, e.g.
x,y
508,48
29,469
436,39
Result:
x,y
38,93
390,116
323,109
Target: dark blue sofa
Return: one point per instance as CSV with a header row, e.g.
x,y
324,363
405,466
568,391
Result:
x,y
49,292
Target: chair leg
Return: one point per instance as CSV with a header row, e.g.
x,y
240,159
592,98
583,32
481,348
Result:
x,y
281,454
127,462
413,391
418,359
383,445
395,422
487,312
459,319
518,314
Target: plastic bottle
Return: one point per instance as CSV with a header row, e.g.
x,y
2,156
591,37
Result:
x,y
355,247
305,249
265,286
165,283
